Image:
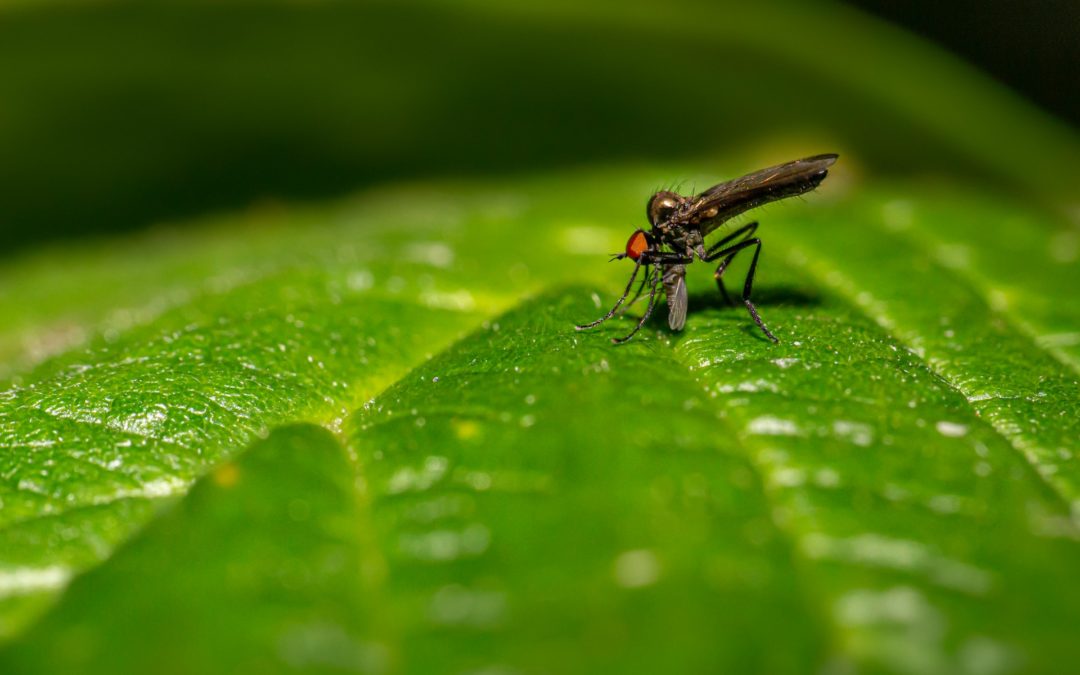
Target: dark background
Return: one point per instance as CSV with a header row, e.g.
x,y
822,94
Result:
x,y
119,115
1032,46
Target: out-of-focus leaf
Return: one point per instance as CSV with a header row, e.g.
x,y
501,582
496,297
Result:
x,y
277,528
137,112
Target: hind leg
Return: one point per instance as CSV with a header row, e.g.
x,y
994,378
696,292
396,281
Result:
x,y
748,286
740,234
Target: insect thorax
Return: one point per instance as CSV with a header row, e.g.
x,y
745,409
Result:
x,y
679,238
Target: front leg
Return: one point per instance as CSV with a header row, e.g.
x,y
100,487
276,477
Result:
x,y
664,258
629,285
637,295
655,271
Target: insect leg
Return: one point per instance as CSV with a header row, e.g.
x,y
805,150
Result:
x,y
741,233
629,285
648,310
748,286
657,258
668,258
720,286
637,294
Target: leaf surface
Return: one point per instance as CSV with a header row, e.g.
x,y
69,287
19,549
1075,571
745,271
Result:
x,y
890,487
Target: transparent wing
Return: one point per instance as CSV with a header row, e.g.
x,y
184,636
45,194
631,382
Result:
x,y
721,202
675,288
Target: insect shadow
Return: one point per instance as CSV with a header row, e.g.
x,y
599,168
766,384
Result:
x,y
793,296
711,301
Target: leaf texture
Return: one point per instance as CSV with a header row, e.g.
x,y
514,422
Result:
x,y
891,488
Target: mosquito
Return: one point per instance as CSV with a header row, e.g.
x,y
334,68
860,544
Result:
x,y
679,226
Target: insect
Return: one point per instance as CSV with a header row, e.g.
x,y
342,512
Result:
x,y
679,226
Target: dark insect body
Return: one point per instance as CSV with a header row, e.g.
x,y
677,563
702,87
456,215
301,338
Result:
x,y
679,226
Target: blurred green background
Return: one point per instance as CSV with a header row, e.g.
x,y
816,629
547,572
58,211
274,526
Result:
x,y
117,115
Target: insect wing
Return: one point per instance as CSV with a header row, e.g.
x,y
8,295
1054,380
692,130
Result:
x,y
726,200
675,288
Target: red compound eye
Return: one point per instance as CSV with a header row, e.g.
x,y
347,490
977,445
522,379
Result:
x,y
636,245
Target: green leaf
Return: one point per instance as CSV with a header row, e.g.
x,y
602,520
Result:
x,y
892,488
295,554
